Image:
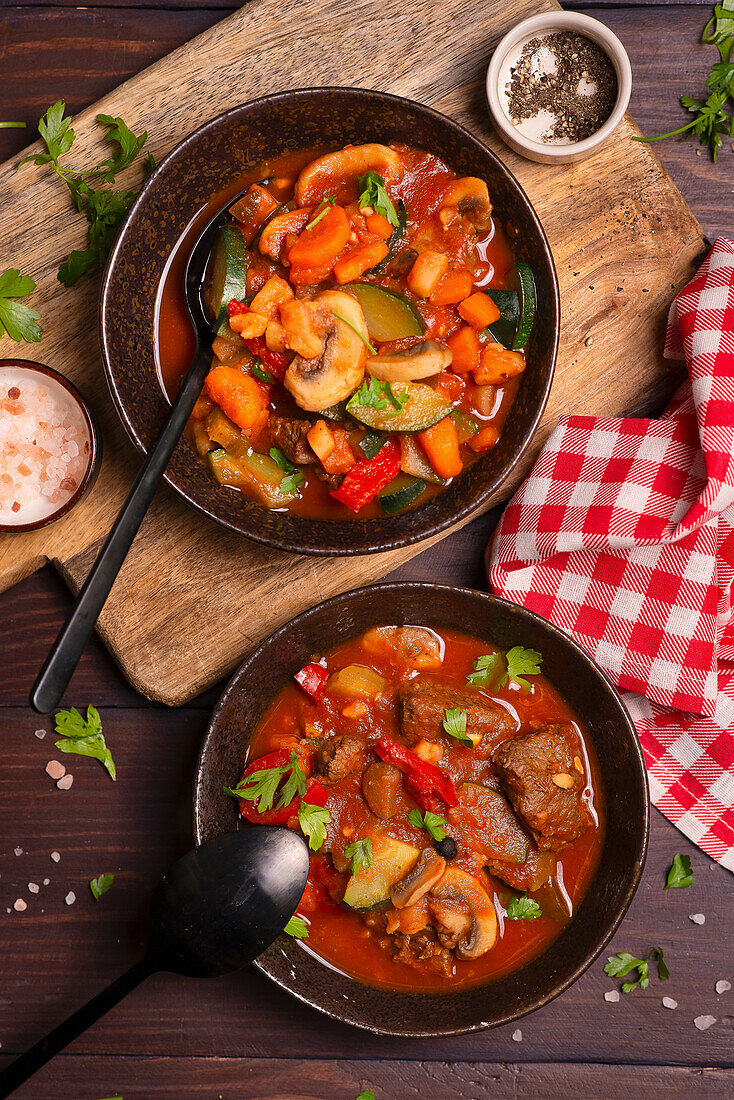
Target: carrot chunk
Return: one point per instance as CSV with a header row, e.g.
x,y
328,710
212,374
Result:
x,y
313,253
441,446
237,394
497,366
464,346
485,439
342,457
454,287
379,225
321,440
359,260
478,310
271,296
451,385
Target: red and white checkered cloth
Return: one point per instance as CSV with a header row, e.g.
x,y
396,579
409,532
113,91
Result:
x,y
623,535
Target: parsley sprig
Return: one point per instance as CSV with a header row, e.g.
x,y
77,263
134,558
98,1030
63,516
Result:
x,y
18,320
373,394
523,908
495,669
356,331
322,211
262,785
429,821
294,478
712,120
359,854
680,874
104,207
313,821
84,736
297,928
372,193
618,966
454,725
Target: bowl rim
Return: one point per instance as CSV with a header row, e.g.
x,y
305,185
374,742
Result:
x,y
328,547
591,28
392,590
95,446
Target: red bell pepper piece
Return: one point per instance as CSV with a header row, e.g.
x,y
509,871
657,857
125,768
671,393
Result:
x,y
363,481
426,779
315,794
275,360
312,679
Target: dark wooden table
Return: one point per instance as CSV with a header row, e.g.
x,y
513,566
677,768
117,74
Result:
x,y
240,1036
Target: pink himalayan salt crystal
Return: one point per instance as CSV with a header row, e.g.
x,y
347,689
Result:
x,y
44,446
64,784
55,769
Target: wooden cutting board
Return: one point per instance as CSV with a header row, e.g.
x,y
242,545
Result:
x,y
192,599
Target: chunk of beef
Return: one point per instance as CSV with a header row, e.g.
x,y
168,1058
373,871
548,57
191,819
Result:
x,y
338,758
332,481
289,434
423,705
543,782
419,948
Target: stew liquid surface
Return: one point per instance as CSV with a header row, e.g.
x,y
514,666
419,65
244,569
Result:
x,y
513,798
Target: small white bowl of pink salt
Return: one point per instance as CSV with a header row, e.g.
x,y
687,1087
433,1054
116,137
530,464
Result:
x,y
48,445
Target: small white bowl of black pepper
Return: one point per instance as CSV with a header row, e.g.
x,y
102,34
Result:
x,y
558,85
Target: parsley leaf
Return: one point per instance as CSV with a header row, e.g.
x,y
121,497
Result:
x,y
84,736
262,785
295,782
490,670
12,125
355,330
372,193
18,320
313,821
294,477
429,821
454,725
522,661
100,885
680,874
297,928
373,394
104,208
259,372
322,211
366,1094
523,908
360,854
618,966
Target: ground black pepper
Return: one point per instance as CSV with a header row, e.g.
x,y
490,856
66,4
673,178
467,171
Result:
x,y
581,66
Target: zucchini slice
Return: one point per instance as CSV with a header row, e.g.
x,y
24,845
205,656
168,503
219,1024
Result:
x,y
392,859
371,443
251,471
503,330
422,410
228,271
395,238
400,493
497,831
414,462
388,316
527,305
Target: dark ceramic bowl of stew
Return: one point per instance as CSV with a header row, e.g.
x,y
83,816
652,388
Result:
x,y
416,263
476,804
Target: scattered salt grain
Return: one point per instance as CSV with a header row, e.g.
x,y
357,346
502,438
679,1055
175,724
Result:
x,y
55,769
65,782
40,734
55,856
723,986
704,1022
19,905
19,851
697,918
668,1002
517,1036
611,995
44,446
70,898
46,881
33,887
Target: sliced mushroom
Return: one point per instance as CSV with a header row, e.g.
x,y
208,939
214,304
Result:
x,y
338,369
419,880
470,197
462,907
380,784
421,361
336,173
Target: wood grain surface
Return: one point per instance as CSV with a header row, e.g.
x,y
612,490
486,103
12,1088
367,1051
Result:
x,y
623,241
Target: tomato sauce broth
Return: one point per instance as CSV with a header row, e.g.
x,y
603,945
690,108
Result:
x,y
338,934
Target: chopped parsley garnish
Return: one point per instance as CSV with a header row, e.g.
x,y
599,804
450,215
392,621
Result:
x,y
360,854
104,207
355,330
297,928
523,908
294,478
495,669
374,394
454,725
372,193
322,211
84,736
313,821
622,964
262,785
18,320
680,874
429,821
100,885
259,372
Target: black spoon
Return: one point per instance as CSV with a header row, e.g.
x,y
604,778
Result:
x,y
67,649
214,911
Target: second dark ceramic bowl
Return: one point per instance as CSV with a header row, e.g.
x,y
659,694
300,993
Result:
x,y
621,764
212,159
